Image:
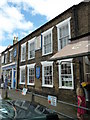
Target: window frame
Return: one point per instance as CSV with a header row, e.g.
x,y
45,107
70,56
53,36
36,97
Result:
x,y
6,57
28,67
29,42
45,63
60,25
3,59
10,55
59,66
47,32
23,45
22,67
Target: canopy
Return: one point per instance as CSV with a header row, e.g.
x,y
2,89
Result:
x,y
76,48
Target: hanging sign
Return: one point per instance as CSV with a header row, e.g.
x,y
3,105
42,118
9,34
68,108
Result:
x,y
52,100
37,72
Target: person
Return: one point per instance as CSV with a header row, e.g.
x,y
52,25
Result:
x,y
6,82
2,78
81,102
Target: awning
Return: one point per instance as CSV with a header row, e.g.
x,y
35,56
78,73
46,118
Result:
x,y
76,48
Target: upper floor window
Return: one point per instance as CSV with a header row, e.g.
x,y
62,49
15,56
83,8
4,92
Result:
x,y
64,34
6,57
23,52
31,74
47,42
22,74
47,74
66,74
10,56
31,49
2,58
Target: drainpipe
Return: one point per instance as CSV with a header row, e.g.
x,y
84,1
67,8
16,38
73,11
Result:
x,y
18,54
81,71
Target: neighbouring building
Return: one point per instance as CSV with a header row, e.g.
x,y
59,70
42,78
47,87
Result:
x,y
9,61
0,66
44,61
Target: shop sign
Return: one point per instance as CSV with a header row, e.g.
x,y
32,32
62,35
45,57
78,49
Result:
x,y
37,72
52,100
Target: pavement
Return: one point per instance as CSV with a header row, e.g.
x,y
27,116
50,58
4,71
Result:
x,y
17,95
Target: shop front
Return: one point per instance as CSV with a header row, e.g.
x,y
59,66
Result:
x,y
9,70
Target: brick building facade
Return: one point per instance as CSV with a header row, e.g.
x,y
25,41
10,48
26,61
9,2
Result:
x,y
34,69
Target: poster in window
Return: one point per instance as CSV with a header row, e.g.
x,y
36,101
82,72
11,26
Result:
x,y
37,72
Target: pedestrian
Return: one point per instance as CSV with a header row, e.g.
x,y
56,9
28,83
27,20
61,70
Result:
x,y
81,102
2,78
6,82
2,81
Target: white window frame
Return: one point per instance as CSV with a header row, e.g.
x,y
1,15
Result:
x,y
2,58
63,23
28,67
23,45
49,31
45,63
29,42
60,82
10,57
22,67
6,57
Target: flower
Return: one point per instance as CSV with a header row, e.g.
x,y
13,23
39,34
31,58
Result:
x,y
85,84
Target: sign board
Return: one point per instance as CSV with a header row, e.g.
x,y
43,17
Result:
x,y
37,72
24,91
52,100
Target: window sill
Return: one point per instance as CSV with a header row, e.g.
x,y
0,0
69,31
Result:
x,y
31,58
69,88
48,86
30,84
22,83
47,54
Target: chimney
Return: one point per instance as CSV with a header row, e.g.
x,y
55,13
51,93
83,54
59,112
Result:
x,y
15,40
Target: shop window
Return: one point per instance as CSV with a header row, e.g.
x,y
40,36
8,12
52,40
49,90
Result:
x,y
31,49
47,74
66,74
31,74
47,42
64,34
23,52
22,75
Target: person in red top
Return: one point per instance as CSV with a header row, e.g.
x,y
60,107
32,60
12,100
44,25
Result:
x,y
81,102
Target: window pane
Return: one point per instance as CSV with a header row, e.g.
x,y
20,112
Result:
x,y
48,75
47,43
31,75
32,50
23,75
64,35
66,74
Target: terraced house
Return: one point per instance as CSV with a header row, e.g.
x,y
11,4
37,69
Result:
x,y
55,58
9,63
